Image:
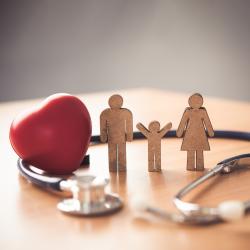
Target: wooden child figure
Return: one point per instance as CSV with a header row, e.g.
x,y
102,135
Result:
x,y
193,126
116,127
154,136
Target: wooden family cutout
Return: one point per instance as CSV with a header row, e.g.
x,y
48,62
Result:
x,y
192,128
154,135
116,128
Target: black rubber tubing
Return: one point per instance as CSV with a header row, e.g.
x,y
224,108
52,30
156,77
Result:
x,y
53,182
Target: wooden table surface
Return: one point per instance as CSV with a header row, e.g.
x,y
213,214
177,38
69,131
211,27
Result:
x,y
29,218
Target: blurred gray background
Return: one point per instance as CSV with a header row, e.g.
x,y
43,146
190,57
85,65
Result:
x,y
49,46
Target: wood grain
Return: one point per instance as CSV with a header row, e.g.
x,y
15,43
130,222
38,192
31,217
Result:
x,y
30,220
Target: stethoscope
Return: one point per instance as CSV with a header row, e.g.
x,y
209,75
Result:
x,y
90,198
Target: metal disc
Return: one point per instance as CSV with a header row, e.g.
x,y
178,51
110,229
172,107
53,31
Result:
x,y
111,204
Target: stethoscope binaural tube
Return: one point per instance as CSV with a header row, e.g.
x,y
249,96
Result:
x,y
228,210
58,183
192,213
53,182
223,134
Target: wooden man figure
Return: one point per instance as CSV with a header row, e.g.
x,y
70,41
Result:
x,y
193,126
116,127
154,135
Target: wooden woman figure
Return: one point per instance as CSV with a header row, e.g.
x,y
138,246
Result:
x,y
154,135
193,126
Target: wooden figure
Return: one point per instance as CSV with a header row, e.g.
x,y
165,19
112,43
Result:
x,y
116,127
193,126
154,135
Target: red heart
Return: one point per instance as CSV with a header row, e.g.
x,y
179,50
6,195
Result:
x,y
53,136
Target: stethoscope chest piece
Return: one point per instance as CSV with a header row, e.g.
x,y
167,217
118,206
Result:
x,y
89,197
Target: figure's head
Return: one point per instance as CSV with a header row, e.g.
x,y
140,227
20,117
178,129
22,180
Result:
x,y
115,102
195,101
154,126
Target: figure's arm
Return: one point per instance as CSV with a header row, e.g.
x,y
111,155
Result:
x,y
142,129
165,129
129,125
208,123
183,123
103,127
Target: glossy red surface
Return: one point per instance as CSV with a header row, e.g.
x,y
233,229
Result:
x,y
53,136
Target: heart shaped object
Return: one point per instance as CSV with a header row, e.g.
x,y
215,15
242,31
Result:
x,y
54,136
